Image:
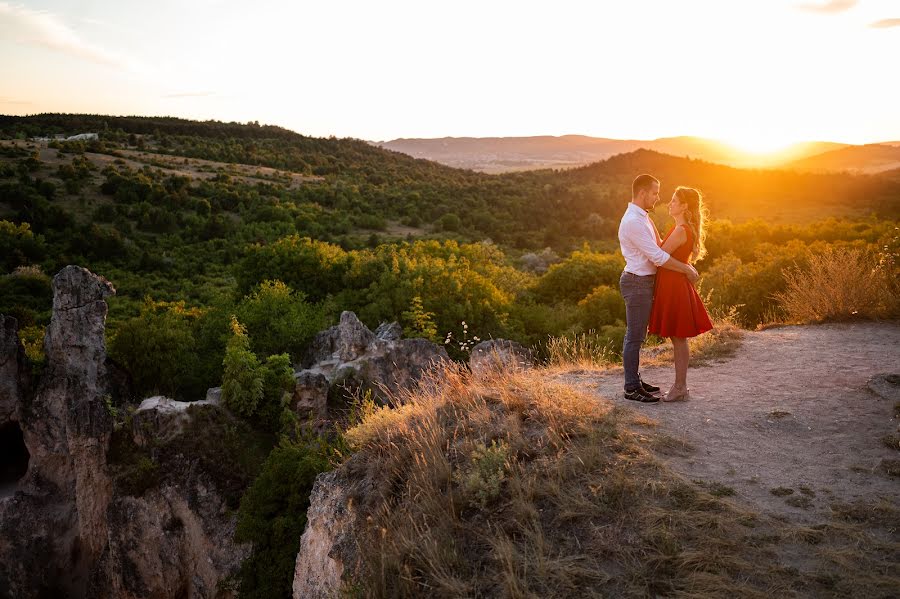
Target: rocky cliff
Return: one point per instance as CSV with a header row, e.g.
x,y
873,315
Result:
x,y
68,526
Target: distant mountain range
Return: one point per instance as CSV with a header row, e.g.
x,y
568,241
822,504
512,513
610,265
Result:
x,y
505,154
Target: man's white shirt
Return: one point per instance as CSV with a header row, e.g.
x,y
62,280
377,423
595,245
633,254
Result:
x,y
637,237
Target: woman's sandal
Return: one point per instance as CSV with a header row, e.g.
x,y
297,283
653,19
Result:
x,y
686,395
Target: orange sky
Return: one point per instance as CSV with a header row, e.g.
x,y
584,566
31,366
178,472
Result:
x,y
759,74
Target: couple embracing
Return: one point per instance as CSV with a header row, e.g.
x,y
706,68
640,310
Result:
x,y
658,283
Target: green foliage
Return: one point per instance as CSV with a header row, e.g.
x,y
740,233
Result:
x,y
481,479
252,389
456,282
19,245
575,277
417,322
312,267
602,306
27,295
242,381
32,339
279,319
449,222
160,349
272,516
751,285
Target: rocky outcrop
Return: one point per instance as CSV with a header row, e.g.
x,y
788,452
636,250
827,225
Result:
x,y
14,377
160,419
58,514
327,554
68,528
499,354
175,540
349,357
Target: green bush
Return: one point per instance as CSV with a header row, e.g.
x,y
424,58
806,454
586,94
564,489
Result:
x,y
272,516
481,479
602,306
575,277
159,349
252,389
279,319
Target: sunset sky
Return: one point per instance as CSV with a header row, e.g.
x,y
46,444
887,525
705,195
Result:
x,y
757,73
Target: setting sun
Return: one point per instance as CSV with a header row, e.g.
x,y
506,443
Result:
x,y
760,143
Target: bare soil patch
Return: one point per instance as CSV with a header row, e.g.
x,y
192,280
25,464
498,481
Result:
x,y
789,423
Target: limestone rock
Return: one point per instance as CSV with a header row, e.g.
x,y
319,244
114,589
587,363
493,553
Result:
x,y
66,430
499,354
310,397
352,358
327,555
67,530
160,419
344,341
389,331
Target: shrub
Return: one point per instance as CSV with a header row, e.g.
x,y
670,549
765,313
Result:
x,y
252,390
575,277
603,306
279,319
272,516
482,478
837,284
160,351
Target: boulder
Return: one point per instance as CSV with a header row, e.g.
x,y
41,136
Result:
x,y
160,419
352,358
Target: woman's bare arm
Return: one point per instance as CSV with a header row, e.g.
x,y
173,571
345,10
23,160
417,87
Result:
x,y
676,238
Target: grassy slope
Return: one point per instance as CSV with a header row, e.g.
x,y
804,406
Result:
x,y
574,501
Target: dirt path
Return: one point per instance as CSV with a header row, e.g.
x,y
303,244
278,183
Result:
x,y
790,410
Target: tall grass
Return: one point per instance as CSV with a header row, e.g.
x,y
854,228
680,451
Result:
x,y
517,485
840,284
584,350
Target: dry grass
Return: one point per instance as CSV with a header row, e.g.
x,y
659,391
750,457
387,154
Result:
x,y
585,351
512,484
718,344
839,284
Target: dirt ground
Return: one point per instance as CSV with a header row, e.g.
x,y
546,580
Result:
x,y
791,411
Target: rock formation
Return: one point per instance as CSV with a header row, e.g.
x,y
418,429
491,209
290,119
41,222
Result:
x,y
328,558
327,547
350,357
66,526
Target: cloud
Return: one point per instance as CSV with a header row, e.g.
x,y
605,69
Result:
x,y
189,95
830,7
885,23
42,28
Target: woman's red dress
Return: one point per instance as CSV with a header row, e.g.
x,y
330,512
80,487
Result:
x,y
677,308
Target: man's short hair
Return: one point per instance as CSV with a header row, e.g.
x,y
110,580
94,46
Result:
x,y
642,182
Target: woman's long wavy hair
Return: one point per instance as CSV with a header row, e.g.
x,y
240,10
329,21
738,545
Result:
x,y
696,215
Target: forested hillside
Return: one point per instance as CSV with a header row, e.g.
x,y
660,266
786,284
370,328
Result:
x,y
195,221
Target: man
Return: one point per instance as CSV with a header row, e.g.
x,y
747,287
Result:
x,y
640,244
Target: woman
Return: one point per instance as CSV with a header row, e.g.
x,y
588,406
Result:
x,y
677,310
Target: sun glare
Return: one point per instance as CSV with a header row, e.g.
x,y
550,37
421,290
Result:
x,y
760,143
